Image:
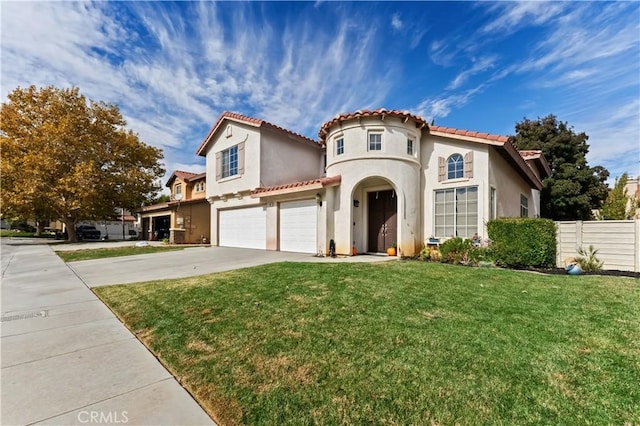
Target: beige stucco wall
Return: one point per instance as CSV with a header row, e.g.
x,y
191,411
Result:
x,y
437,146
285,160
364,171
509,185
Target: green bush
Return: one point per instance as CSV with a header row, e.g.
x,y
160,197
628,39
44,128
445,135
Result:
x,y
523,242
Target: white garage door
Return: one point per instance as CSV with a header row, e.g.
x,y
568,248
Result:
x,y
246,228
298,224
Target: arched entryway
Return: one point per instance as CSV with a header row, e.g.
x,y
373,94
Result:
x,y
375,215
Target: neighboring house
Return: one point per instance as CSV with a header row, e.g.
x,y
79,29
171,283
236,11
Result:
x,y
374,178
184,219
112,229
633,193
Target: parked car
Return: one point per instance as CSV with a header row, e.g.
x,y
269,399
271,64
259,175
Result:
x,y
87,232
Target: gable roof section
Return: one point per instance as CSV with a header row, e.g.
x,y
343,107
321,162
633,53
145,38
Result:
x,y
255,122
296,186
537,157
380,112
501,143
185,176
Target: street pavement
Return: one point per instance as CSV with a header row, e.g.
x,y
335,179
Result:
x,y
66,358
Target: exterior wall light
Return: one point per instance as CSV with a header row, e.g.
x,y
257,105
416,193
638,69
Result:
x,y
356,203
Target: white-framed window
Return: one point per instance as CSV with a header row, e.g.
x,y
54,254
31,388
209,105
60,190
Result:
x,y
455,167
410,146
456,212
199,187
375,141
230,162
177,190
524,206
339,146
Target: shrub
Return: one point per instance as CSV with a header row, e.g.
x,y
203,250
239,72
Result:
x,y
457,250
425,253
523,242
588,261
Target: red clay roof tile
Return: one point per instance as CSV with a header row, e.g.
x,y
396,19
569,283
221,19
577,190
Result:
x,y
382,112
250,120
322,182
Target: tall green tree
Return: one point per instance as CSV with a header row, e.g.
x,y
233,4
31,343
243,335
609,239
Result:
x,y
619,205
574,188
71,159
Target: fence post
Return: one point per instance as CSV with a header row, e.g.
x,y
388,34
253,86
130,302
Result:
x,y
636,267
578,235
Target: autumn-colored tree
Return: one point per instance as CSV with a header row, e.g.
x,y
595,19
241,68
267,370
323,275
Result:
x,y
619,205
71,159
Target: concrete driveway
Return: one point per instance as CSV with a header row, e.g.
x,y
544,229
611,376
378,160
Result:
x,y
188,262
174,264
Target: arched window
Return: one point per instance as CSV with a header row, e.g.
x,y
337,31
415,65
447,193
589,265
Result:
x,y
455,167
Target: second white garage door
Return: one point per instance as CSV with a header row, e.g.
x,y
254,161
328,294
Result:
x,y
298,226
246,228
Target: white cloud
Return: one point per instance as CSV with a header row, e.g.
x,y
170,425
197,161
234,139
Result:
x,y
514,14
478,66
396,22
432,108
172,72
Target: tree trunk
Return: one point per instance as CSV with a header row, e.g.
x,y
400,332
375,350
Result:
x,y
70,226
39,227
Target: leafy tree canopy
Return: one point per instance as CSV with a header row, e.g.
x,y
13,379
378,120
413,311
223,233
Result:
x,y
619,205
574,189
70,159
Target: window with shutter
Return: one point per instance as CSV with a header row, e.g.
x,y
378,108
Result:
x,y
468,165
241,158
218,165
441,168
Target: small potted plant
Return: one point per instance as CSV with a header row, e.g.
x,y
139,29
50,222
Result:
x,y
391,251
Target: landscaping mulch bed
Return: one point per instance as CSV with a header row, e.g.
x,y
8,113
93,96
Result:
x,y
605,272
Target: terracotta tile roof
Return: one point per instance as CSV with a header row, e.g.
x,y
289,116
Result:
x,y
297,186
382,112
256,122
185,176
473,134
530,153
535,155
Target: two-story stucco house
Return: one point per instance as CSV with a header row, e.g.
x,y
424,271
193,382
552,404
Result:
x,y
373,179
185,218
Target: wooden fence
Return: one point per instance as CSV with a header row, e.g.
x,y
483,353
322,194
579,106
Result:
x,y
617,241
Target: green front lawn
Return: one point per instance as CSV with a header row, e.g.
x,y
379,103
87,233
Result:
x,y
395,343
88,254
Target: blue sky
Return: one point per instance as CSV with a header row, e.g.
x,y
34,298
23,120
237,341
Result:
x,y
172,68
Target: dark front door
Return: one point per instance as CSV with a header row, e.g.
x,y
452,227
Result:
x,y
383,231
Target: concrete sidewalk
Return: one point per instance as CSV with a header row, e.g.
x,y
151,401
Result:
x,y
66,359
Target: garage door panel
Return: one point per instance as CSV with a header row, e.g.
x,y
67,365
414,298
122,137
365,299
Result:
x,y
245,228
298,226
